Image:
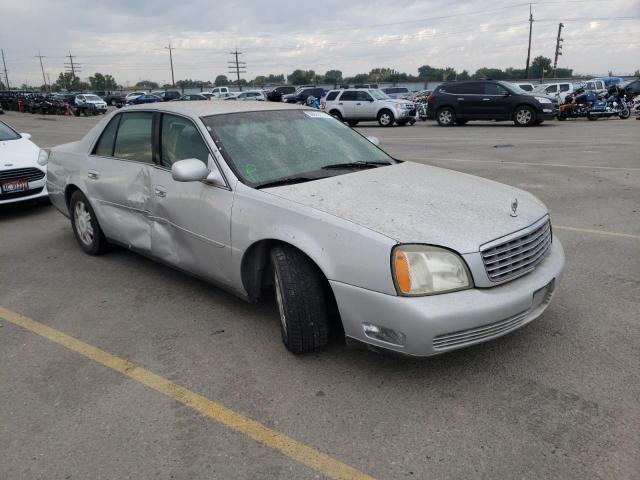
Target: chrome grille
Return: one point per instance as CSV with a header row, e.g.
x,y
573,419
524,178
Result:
x,y
30,174
517,255
454,339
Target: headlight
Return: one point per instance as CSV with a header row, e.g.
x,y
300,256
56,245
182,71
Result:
x,y
426,270
43,157
543,100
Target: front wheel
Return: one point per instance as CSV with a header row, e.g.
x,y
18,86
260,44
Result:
x,y
524,116
624,114
386,118
300,295
85,225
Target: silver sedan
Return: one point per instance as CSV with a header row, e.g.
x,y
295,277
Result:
x,y
252,197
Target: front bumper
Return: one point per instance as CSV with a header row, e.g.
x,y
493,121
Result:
x,y
441,323
37,189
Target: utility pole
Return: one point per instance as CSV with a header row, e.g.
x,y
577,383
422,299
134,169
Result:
x,y
74,68
558,48
44,79
237,66
6,77
170,48
526,70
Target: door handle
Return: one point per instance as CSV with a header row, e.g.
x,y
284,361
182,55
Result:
x,y
340,103
486,99
160,191
93,174
461,99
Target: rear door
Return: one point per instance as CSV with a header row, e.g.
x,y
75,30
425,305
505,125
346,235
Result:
x,y
118,185
469,100
348,103
190,220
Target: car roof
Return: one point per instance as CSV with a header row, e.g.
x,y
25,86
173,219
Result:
x,y
204,109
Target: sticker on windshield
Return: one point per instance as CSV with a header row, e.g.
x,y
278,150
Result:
x,y
312,114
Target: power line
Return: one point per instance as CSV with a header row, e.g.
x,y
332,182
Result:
x,y
44,79
237,66
73,67
170,48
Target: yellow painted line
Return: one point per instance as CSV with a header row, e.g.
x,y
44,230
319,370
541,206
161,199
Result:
x,y
597,232
287,446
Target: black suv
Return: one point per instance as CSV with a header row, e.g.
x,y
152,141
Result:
x,y
275,95
301,95
459,102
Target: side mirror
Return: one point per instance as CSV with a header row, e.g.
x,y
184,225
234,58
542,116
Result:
x,y
26,136
374,140
189,170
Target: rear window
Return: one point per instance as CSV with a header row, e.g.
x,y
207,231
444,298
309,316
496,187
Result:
x,y
463,88
332,95
348,96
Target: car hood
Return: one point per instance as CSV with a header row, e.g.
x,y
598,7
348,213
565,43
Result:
x,y
415,203
20,153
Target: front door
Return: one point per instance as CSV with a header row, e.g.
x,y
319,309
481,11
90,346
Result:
x,y
118,183
190,220
364,107
496,101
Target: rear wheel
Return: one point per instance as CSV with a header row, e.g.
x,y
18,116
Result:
x,y
591,117
299,288
446,117
85,225
524,116
386,118
336,114
353,123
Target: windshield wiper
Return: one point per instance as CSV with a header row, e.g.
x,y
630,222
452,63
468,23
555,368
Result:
x,y
286,181
355,165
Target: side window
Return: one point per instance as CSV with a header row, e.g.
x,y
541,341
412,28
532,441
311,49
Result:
x,y
133,141
348,96
552,89
564,87
179,140
362,96
494,89
104,147
332,96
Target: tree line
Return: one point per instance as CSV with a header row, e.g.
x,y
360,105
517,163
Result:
x,y
540,67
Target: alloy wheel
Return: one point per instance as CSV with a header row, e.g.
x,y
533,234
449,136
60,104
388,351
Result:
x,y
82,221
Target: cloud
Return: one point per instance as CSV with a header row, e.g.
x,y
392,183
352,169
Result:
x,y
127,38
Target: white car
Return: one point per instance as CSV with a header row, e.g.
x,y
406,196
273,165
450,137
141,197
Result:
x,y
218,91
23,167
91,99
248,96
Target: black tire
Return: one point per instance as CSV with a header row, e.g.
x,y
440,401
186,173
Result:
x,y
626,113
591,117
336,114
562,117
524,116
299,288
353,123
446,117
91,240
386,118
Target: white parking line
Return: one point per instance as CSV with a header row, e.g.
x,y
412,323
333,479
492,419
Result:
x,y
534,164
597,232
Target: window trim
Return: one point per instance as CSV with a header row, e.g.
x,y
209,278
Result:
x,y
117,117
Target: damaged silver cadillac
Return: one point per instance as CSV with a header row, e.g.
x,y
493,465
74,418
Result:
x,y
417,259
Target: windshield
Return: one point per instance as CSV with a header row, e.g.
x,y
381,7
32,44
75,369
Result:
x,y
263,147
7,133
378,94
513,88
93,98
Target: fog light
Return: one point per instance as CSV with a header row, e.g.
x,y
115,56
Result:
x,y
384,334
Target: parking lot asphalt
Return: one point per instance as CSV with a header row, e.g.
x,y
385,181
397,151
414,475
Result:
x,y
556,399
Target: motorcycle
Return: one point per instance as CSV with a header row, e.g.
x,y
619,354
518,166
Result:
x,y
611,104
577,104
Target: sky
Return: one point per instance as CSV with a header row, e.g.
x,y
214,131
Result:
x,y
126,38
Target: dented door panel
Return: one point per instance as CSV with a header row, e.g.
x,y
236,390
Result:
x,y
190,225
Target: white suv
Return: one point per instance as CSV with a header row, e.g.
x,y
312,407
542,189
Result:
x,y
367,104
